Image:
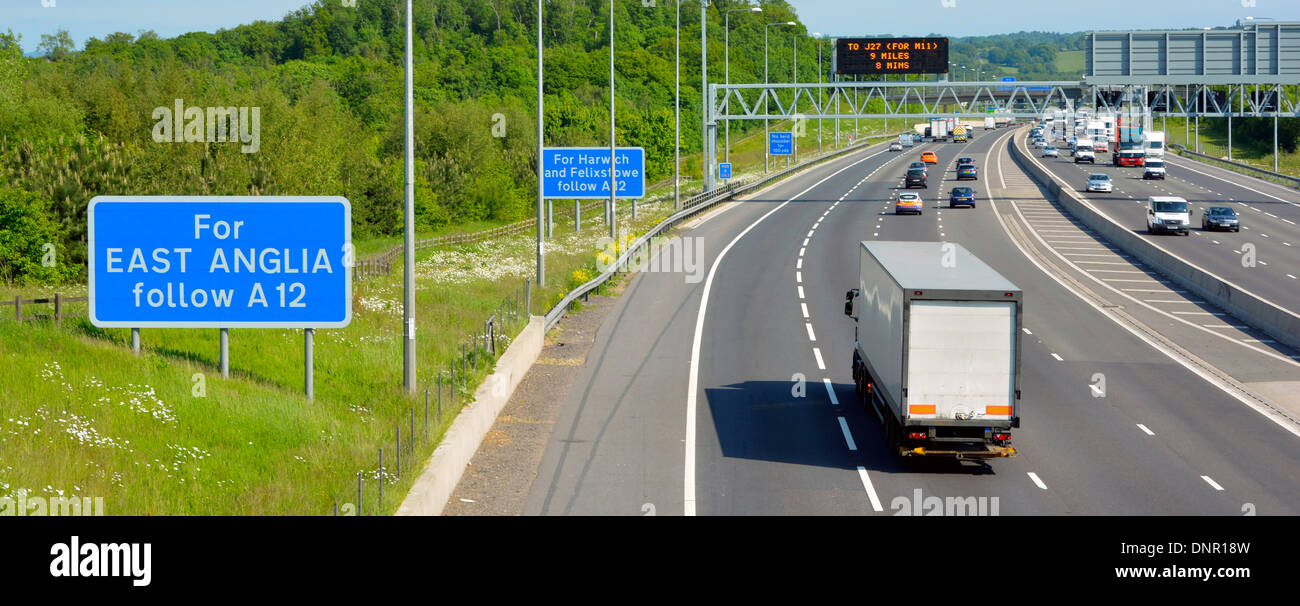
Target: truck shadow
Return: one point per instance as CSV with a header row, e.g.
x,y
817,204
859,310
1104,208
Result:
x,y
767,421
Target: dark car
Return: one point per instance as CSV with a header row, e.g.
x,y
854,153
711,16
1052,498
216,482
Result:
x,y
967,171
965,160
1220,217
961,196
916,178
921,165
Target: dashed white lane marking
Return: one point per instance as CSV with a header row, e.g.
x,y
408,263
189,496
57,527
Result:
x,y
800,292
871,491
848,437
1211,482
1037,482
798,276
811,336
1144,429
1291,276
805,242
802,249
804,307
818,354
810,233
799,265
1026,330
1058,358
830,391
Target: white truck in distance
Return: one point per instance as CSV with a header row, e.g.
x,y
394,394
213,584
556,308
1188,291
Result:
x,y
936,350
938,129
990,123
1083,151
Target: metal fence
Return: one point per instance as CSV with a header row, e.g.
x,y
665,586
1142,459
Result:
x,y
451,388
57,300
1253,171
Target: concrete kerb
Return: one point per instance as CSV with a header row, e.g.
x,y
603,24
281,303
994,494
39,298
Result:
x,y
1277,322
429,494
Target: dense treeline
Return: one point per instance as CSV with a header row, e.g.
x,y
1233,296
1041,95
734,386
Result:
x,y
327,84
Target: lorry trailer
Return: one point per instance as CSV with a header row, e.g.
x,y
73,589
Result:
x,y
936,350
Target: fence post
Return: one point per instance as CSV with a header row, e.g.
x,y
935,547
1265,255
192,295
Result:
x,y
358,494
528,295
381,479
18,307
426,405
411,435
399,450
58,309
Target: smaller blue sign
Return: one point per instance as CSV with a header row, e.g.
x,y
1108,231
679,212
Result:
x,y
780,144
724,170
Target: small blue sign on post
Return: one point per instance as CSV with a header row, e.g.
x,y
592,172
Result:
x,y
724,170
220,261
780,144
583,172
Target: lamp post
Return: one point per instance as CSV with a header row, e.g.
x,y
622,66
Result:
x,y
677,111
541,259
613,208
767,148
727,71
820,110
794,107
408,248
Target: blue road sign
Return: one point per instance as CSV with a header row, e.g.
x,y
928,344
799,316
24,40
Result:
x,y
724,170
780,144
220,262
583,172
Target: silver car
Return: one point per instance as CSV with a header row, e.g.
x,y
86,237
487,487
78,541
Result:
x,y
1099,182
1051,152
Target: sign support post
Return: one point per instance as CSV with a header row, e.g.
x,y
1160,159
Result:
x,y
308,355
225,353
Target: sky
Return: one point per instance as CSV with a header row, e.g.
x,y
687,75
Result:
x,y
96,18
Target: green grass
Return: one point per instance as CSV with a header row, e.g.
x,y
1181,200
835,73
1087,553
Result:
x,y
1070,62
1214,142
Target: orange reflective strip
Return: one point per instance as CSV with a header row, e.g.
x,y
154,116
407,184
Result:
x,y
920,409
997,410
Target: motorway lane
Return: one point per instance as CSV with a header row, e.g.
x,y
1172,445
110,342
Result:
x,y
764,449
1270,222
617,443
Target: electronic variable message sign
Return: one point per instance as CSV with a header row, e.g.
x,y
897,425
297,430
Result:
x,y
867,56
220,261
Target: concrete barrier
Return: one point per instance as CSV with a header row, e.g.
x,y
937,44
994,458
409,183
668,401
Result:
x,y
1279,323
429,494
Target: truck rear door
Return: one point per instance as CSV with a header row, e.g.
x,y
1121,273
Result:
x,y
961,360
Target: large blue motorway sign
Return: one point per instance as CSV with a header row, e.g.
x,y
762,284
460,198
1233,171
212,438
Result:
x,y
583,172
780,144
220,262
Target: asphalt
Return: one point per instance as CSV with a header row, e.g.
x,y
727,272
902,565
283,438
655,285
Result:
x,y
769,439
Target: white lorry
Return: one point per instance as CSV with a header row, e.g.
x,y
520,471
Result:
x,y
938,129
990,123
936,350
1083,151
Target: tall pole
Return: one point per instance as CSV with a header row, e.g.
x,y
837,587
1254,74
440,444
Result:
x,y
677,113
1277,107
726,77
794,109
821,110
613,208
541,259
704,92
408,258
767,145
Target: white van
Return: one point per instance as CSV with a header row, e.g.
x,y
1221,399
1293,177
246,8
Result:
x,y
1168,213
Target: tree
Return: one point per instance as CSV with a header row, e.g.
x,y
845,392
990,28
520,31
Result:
x,y
28,237
57,47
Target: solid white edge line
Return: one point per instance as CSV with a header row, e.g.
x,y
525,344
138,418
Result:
x,y
1033,476
688,494
830,391
871,490
848,437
